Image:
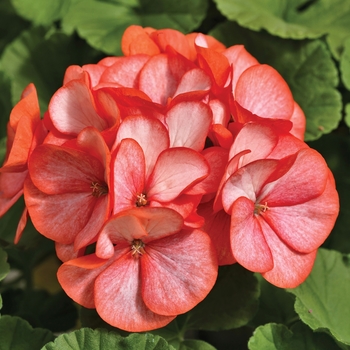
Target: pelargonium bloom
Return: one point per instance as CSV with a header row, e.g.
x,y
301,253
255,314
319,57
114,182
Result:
x,y
281,212
67,193
146,270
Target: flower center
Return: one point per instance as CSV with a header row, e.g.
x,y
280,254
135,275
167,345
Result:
x,y
137,248
98,190
141,200
260,208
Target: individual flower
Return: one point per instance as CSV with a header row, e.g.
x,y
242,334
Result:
x,y
146,270
281,211
67,192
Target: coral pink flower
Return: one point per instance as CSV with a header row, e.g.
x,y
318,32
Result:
x,y
145,271
67,192
24,132
281,212
146,172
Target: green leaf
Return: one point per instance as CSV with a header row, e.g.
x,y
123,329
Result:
x,y
345,64
102,24
231,304
17,334
101,339
306,66
195,345
335,148
41,12
275,305
295,19
10,24
276,336
323,299
42,58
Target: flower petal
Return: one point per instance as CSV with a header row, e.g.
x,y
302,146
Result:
x,y
118,298
178,272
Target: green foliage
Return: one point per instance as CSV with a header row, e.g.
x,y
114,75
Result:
x,y
323,299
17,334
101,339
296,19
103,23
345,64
305,65
278,337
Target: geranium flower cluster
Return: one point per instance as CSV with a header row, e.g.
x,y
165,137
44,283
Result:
x,y
151,170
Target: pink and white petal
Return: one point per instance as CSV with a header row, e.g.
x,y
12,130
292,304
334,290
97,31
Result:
x,y
72,109
240,59
217,225
287,144
188,124
306,179
119,301
178,272
58,217
54,169
95,71
299,122
304,227
290,268
248,244
128,175
98,217
247,181
259,139
193,80
140,128
263,91
125,71
176,169
157,79
77,277
221,113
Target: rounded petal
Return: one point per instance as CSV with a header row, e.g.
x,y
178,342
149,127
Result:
x,y
72,109
118,298
178,272
290,268
176,169
263,91
188,124
248,243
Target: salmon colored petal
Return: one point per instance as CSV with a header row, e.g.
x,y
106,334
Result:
x,y
67,252
140,128
128,174
240,59
304,227
125,71
77,277
263,91
21,225
248,243
72,109
119,301
56,170
136,40
305,180
58,217
247,182
176,169
188,124
178,272
172,37
290,268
